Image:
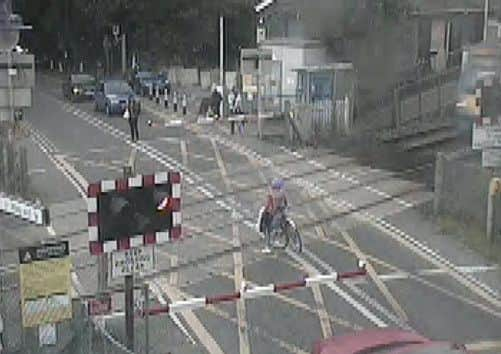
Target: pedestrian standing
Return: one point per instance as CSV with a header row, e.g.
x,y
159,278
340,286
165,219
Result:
x,y
134,108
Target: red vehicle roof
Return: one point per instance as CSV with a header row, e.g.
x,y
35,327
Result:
x,y
363,340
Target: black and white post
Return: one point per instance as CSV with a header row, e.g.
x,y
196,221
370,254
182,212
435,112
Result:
x,y
166,98
184,103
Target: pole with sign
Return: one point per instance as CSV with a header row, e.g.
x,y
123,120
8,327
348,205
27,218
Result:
x,y
129,291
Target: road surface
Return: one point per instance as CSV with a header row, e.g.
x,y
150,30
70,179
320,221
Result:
x,y
418,278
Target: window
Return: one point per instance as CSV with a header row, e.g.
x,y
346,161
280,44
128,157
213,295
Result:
x,y
320,87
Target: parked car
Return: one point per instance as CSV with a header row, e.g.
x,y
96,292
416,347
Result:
x,y
78,87
143,81
112,96
162,83
387,341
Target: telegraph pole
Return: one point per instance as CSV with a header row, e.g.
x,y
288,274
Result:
x,y
486,19
221,61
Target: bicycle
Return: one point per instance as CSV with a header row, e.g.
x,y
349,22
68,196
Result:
x,y
283,233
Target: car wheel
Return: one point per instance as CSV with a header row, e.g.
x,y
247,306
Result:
x,y
108,110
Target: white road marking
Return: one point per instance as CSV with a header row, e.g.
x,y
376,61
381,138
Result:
x,y
438,271
201,332
484,346
243,332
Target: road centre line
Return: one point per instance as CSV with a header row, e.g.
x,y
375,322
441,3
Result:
x,y
243,334
373,274
198,328
317,295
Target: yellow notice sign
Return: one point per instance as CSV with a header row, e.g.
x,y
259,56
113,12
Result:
x,y
45,285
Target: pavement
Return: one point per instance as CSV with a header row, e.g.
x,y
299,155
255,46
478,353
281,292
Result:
x,y
345,208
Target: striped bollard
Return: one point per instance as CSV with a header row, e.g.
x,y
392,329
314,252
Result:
x,y
157,95
166,98
174,102
184,103
150,93
52,65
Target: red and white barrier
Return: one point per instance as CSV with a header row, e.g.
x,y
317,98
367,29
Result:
x,y
129,241
255,292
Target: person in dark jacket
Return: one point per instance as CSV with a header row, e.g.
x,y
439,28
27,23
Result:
x,y
216,99
134,107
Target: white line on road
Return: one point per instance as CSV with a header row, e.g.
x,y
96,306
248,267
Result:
x,y
201,332
243,333
343,294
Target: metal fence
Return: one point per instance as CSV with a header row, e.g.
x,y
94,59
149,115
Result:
x,y
13,165
461,188
430,98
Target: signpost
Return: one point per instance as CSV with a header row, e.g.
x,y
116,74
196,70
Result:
x,y
127,217
45,284
485,136
134,261
491,157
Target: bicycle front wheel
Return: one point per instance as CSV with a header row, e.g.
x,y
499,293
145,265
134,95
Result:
x,y
295,239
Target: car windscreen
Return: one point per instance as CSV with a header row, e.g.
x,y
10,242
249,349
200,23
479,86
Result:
x,y
117,87
82,79
146,75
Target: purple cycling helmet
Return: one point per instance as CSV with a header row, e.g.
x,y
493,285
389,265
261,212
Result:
x,y
278,184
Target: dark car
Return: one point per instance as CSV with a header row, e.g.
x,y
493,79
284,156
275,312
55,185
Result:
x,y
162,83
79,87
385,341
112,96
143,81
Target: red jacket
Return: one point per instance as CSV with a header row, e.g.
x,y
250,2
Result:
x,y
273,202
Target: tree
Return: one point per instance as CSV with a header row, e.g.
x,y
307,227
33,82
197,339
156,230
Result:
x,y
171,32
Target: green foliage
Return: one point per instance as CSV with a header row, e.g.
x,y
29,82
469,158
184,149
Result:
x,y
177,31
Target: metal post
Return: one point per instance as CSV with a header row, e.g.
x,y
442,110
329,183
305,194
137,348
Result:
x,y
258,97
11,94
397,106
420,93
129,285
124,55
129,311
102,272
146,306
221,63
493,190
486,19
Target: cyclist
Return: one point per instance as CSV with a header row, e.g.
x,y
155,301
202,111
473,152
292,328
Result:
x,y
276,203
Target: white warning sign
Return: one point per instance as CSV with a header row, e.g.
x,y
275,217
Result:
x,y
139,260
